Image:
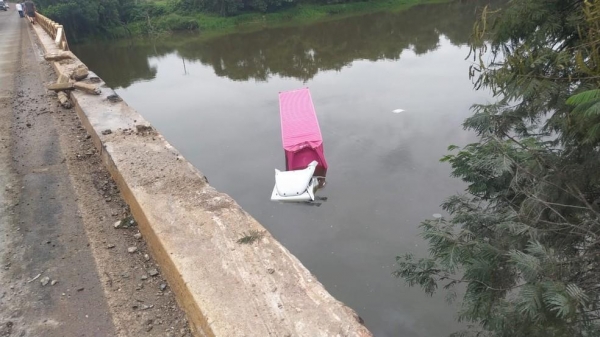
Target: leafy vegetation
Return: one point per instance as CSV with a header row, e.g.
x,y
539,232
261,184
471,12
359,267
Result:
x,y
524,239
250,237
122,18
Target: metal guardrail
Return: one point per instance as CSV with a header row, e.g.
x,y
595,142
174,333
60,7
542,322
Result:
x,y
55,30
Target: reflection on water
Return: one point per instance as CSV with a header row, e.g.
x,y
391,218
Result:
x,y
216,101
298,52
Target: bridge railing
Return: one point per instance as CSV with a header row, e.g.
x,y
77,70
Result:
x,y
53,29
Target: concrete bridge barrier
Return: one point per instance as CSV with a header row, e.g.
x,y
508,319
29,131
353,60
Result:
x,y
231,277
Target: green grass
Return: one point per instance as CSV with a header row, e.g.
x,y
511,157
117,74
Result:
x,y
303,14
212,25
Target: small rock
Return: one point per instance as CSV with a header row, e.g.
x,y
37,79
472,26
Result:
x,y
270,270
149,328
162,286
88,136
80,73
142,128
144,277
28,125
153,272
114,98
53,282
117,224
80,289
146,307
110,246
146,257
107,132
132,250
45,280
137,235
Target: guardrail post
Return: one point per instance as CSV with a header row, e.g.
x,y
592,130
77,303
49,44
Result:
x,y
55,30
58,38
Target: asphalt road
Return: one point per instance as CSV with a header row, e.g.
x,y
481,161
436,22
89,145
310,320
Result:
x,y
39,223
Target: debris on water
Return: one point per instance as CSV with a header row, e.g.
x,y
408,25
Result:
x,y
397,111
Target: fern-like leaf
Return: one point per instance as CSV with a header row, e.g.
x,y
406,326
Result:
x,y
584,97
527,264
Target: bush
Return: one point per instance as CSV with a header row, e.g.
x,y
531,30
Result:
x,y
177,22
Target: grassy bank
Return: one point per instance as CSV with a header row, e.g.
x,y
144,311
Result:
x,y
161,20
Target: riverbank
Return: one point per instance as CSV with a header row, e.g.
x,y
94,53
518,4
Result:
x,y
168,20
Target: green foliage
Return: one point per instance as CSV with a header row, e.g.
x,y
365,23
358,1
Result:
x,y
586,115
251,237
177,22
525,238
123,18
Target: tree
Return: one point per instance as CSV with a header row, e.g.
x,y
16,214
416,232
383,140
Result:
x,y
82,18
525,237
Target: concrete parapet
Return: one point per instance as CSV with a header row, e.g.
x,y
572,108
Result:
x,y
229,274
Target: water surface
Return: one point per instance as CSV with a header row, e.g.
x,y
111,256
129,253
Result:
x,y
216,101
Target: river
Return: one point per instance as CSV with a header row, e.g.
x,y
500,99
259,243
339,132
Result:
x,y
216,101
